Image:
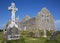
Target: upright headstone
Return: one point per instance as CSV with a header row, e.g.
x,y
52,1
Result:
x,y
12,29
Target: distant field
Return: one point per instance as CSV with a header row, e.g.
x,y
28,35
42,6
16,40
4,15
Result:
x,y
25,39
1,37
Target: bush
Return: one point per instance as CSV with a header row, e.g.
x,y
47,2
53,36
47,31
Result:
x,y
48,33
31,34
24,32
1,30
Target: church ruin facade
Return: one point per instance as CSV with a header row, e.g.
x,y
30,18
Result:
x,y
43,20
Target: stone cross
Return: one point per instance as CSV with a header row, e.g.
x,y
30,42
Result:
x,y
13,9
13,32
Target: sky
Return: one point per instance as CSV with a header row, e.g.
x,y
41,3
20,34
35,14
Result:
x,y
31,8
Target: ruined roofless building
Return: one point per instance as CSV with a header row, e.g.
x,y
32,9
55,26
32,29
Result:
x,y
43,20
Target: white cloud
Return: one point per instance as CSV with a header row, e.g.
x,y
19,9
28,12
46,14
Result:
x,y
57,24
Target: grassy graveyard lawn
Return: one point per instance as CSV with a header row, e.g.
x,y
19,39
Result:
x,y
25,39
40,40
34,40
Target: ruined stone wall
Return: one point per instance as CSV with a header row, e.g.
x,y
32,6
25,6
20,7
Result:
x,y
43,20
30,24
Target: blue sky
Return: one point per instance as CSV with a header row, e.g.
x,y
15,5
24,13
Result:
x,y
31,8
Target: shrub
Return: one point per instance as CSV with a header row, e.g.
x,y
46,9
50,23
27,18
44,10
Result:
x,y
31,34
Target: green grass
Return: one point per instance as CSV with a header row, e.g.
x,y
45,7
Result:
x,y
40,40
1,37
26,39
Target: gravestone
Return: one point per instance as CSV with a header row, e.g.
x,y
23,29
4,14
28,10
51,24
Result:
x,y
11,30
54,35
